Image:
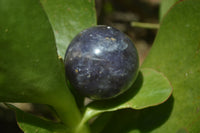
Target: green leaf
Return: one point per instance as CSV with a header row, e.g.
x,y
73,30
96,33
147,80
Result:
x,y
151,88
176,53
68,18
30,70
29,67
165,6
135,121
32,124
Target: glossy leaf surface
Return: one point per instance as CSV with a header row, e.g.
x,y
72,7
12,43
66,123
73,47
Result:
x,y
30,70
68,18
177,48
151,88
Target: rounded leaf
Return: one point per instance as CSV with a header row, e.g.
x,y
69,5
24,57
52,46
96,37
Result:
x,y
151,88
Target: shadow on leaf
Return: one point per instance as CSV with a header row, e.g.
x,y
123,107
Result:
x,y
114,103
130,120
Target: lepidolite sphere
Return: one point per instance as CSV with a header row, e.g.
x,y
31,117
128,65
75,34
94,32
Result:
x,y
101,62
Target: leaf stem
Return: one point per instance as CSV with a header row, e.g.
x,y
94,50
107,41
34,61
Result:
x,y
89,114
145,25
67,110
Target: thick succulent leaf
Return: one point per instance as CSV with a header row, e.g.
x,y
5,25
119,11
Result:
x,y
151,88
30,70
176,53
68,18
134,121
179,35
165,5
32,124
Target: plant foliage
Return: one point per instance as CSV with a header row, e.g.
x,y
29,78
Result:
x,y
34,37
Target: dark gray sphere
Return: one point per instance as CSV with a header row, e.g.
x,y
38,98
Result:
x,y
101,62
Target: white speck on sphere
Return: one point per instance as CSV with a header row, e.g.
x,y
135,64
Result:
x,y
108,27
97,51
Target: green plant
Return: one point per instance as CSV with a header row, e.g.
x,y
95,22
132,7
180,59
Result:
x,y
33,38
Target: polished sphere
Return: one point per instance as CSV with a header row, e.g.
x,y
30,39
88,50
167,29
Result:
x,y
101,62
